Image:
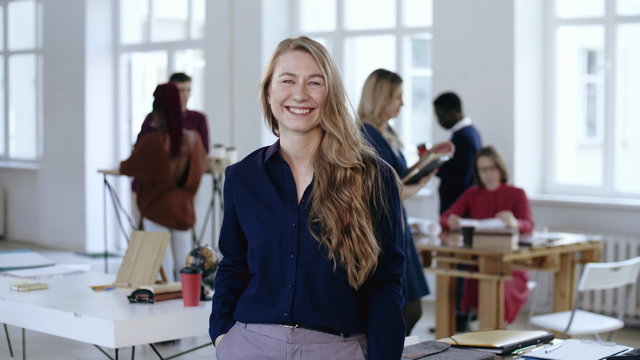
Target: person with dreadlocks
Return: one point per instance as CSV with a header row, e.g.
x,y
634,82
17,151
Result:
x,y
169,163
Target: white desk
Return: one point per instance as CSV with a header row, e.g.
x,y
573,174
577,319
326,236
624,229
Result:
x,y
70,309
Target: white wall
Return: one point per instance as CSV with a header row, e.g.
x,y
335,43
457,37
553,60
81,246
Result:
x,y
473,55
100,133
234,65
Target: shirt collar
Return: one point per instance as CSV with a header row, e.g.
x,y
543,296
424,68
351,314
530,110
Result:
x,y
466,121
273,149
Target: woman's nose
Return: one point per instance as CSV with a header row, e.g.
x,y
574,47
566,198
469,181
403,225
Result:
x,y
300,92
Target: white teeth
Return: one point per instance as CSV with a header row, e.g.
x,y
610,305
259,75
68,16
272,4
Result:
x,y
299,111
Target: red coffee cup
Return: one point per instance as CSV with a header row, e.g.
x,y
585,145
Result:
x,y
422,148
191,278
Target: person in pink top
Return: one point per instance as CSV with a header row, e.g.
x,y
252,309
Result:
x,y
493,197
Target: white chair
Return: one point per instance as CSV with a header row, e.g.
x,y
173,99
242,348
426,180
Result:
x,y
532,286
595,276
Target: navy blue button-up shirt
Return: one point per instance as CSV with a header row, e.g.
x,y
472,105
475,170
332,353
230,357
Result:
x,y
274,271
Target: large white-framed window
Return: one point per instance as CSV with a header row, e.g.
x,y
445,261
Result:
x,y
365,35
21,75
155,39
594,122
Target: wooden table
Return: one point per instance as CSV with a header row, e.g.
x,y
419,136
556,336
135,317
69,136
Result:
x,y
494,267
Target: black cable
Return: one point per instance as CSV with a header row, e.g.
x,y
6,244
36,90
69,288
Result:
x,y
117,207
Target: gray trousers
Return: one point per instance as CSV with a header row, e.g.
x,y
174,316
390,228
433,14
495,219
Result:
x,y
277,342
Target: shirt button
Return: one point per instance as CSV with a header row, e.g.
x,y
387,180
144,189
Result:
x,y
286,314
294,224
290,286
291,256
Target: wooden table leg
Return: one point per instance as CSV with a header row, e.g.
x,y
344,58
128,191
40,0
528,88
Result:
x,y
564,287
445,306
490,304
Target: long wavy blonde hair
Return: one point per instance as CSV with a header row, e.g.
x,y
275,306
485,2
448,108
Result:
x,y
347,190
378,90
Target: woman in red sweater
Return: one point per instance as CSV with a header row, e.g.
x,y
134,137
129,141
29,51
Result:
x,y
492,197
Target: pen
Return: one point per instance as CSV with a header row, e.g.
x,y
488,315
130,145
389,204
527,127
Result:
x,y
552,347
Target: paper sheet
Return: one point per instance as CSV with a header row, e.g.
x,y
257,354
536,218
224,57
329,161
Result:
x,y
484,224
49,271
22,259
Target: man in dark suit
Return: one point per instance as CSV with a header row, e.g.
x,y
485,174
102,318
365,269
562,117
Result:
x,y
456,175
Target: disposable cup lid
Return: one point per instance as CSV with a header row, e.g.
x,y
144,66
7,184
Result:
x,y
190,270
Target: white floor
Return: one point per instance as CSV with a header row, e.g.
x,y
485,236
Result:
x,y
45,347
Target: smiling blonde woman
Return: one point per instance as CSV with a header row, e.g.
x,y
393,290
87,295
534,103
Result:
x,y
312,231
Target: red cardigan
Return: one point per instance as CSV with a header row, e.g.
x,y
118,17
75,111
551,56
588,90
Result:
x,y
159,198
480,203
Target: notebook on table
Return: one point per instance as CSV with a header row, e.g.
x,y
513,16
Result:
x,y
499,341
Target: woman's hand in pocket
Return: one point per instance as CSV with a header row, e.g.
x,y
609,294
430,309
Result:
x,y
218,339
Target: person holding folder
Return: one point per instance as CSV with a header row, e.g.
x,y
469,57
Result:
x,y
381,101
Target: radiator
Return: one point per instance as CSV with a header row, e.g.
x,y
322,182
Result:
x,y
615,247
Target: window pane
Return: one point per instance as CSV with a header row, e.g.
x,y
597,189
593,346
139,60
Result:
x,y
364,54
1,27
627,143
170,18
414,124
417,13
325,42
192,63
22,25
317,15
2,81
579,97
579,8
420,52
22,106
628,7
198,11
380,14
421,110
145,72
134,21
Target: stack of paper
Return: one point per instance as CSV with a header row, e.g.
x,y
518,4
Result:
x,y
46,272
22,259
576,349
485,225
